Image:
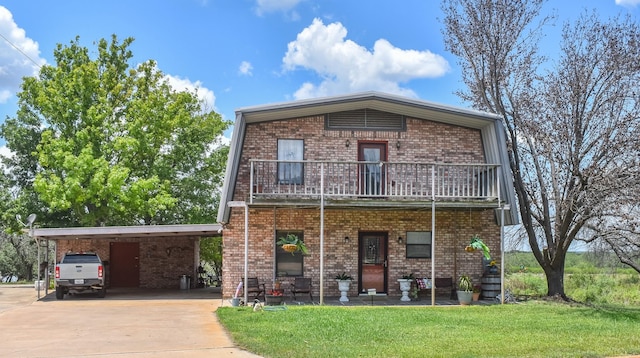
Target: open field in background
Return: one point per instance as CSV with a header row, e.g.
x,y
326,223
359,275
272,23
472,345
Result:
x,y
530,329
589,278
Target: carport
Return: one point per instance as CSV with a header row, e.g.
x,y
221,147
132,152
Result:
x,y
134,256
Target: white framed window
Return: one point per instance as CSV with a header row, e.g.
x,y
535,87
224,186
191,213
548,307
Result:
x,y
290,149
418,244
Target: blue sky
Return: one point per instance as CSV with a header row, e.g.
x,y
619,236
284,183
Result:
x,y
249,52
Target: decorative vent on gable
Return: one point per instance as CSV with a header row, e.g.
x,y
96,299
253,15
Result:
x,y
365,119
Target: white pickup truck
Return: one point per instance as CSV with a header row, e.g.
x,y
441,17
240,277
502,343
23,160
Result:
x,y
80,272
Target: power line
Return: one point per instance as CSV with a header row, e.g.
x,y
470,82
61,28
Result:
x,y
19,50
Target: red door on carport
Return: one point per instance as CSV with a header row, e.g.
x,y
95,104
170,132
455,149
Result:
x,y
124,268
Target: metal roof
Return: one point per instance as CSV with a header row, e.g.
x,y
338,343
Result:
x,y
106,232
374,100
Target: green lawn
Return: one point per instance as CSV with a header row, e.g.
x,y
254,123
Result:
x,y
531,329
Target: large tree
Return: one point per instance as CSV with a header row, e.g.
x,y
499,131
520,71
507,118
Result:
x,y
571,124
107,143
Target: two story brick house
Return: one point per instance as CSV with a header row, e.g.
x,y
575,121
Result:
x,y
376,186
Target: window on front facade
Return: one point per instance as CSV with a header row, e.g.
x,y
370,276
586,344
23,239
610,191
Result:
x,y
290,149
288,264
418,244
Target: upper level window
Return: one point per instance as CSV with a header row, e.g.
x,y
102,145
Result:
x,y
418,244
290,149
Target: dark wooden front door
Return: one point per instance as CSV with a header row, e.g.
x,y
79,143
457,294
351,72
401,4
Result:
x,y
373,261
124,264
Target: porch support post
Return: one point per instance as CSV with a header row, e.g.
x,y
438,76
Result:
x,y
502,254
433,236
433,252
321,233
246,253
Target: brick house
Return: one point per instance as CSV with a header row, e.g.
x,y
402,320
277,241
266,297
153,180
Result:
x,y
376,185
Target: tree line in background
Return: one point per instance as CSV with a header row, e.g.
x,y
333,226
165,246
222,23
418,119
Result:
x,y
99,142
571,122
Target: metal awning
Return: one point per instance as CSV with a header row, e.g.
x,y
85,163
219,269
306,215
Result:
x,y
143,231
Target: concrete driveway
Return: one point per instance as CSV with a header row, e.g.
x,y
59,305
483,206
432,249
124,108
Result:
x,y
127,323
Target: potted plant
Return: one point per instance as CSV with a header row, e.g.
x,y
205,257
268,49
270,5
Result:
x,y
344,282
274,297
476,292
477,244
292,243
492,267
405,286
465,290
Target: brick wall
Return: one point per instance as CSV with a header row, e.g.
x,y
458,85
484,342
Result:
x,y
423,141
161,262
454,229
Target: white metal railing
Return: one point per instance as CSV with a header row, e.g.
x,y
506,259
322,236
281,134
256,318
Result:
x,y
402,181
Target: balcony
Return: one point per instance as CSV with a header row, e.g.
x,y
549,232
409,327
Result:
x,y
376,183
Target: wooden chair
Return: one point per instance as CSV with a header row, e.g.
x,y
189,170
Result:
x,y
302,285
255,289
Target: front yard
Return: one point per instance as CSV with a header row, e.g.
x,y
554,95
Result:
x,y
531,329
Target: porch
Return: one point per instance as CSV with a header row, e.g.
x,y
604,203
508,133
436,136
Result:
x,y
341,183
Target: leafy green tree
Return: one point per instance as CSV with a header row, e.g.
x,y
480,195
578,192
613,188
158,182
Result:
x,y
211,253
106,143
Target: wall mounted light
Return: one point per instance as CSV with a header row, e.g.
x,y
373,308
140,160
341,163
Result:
x,y
399,239
398,145
346,239
347,143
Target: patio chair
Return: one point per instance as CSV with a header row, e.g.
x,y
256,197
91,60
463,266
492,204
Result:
x,y
302,285
255,289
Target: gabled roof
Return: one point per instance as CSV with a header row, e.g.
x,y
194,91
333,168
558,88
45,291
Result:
x,y
490,126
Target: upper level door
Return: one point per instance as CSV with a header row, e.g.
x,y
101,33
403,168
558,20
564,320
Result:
x,y
371,175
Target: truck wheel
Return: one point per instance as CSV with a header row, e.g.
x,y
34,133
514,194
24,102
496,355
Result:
x,y
102,292
59,293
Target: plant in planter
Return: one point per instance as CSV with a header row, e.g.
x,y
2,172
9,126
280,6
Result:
x,y
344,282
292,243
405,286
477,244
465,290
476,292
492,267
274,297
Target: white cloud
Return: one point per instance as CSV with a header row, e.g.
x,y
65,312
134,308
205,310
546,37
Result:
x,y
629,3
285,6
204,94
19,56
346,66
245,68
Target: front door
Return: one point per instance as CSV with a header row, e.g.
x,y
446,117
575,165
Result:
x,y
373,261
124,270
371,175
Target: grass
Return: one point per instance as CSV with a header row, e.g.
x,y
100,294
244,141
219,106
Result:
x,y
531,329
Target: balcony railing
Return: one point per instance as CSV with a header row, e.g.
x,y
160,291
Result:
x,y
273,179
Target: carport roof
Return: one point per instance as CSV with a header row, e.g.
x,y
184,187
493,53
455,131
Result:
x,y
106,232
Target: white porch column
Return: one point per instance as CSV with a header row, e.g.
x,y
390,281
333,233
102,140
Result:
x,y
321,233
502,254
433,236
433,252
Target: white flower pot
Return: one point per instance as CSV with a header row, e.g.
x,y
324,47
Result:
x,y
343,286
405,286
